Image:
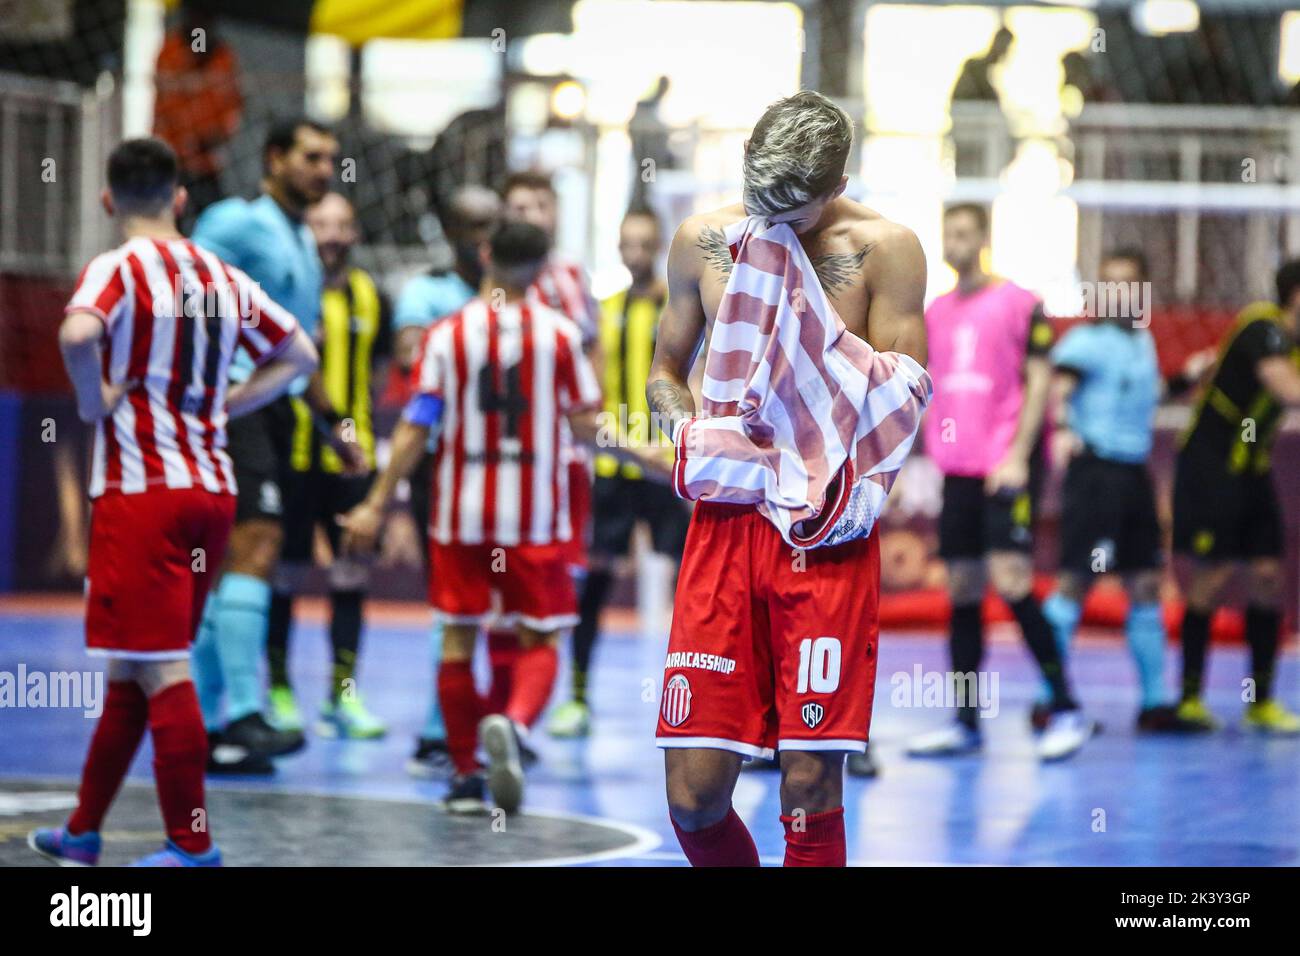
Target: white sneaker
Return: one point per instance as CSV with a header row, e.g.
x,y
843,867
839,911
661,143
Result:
x,y
1065,733
505,775
951,741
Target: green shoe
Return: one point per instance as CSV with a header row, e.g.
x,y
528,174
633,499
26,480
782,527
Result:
x,y
348,718
1270,717
570,719
1193,712
284,709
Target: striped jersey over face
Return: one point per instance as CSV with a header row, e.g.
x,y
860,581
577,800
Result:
x,y
507,376
173,315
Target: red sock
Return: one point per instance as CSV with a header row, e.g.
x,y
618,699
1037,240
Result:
x,y
726,843
117,736
180,753
816,839
503,651
534,679
462,709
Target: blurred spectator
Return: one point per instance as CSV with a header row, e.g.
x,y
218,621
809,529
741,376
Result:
x,y
649,134
982,139
198,105
1083,82
975,82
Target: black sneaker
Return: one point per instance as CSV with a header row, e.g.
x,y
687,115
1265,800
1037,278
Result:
x,y
231,760
467,795
254,734
1165,720
431,760
862,765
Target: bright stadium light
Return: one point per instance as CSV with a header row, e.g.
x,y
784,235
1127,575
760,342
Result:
x,y
1159,17
568,100
1288,60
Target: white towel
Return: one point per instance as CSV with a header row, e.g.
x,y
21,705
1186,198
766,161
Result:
x,y
800,416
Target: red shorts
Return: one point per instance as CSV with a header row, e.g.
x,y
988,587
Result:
x,y
153,557
579,514
531,584
771,648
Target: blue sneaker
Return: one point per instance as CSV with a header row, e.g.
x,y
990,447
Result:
x,y
172,855
57,844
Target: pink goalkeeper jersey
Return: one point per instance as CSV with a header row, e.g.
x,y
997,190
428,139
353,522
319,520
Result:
x,y
977,349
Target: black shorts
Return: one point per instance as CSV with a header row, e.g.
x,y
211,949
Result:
x,y
258,445
314,498
618,503
1108,517
972,523
1219,516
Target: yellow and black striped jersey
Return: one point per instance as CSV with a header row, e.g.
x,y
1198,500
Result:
x,y
1236,417
628,327
351,336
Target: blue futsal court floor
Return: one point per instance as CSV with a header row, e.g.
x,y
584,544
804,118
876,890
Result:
x,y
1227,799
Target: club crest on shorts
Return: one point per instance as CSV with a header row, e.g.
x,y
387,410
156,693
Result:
x,y
677,701
812,713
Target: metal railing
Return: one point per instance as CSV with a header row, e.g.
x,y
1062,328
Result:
x,y
54,138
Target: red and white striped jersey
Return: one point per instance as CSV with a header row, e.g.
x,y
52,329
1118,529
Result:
x,y
508,378
562,286
173,314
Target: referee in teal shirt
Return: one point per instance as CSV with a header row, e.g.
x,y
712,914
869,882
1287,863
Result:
x,y
1106,388
267,238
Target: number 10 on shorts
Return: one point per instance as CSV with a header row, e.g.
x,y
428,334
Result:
x,y
819,665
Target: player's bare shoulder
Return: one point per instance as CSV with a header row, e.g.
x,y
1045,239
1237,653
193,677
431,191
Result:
x,y
860,246
700,244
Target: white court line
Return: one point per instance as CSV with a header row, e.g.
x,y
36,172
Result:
x,y
644,841
669,856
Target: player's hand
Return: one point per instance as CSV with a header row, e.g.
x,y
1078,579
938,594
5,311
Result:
x,y
348,450
1011,475
655,463
361,529
110,396
1065,445
1198,363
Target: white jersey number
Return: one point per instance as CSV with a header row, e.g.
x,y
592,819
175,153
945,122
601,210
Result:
x,y
819,665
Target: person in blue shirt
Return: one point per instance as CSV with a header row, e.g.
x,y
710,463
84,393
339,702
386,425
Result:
x,y
266,238
467,222
1106,386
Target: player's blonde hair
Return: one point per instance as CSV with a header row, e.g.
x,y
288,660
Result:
x,y
796,153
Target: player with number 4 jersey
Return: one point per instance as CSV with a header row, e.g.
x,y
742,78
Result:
x,y
496,379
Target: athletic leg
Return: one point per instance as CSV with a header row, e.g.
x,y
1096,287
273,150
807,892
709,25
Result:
x,y
117,737
699,784
812,808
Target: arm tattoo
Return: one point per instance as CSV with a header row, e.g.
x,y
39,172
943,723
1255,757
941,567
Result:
x,y
716,251
837,270
670,403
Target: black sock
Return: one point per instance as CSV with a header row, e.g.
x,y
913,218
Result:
x,y
345,634
595,591
278,621
1262,626
1196,641
966,646
1042,644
